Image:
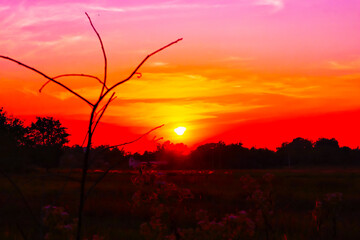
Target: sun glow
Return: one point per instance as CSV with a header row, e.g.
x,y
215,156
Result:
x,y
180,130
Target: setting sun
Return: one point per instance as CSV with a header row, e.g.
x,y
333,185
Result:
x,y
180,130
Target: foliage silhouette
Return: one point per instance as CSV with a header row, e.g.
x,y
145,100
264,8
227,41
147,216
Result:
x,y
46,139
297,151
12,142
47,131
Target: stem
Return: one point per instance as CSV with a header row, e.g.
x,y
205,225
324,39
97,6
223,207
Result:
x,y
103,51
113,166
84,175
136,69
21,231
102,112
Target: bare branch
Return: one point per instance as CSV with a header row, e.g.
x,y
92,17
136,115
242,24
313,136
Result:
x,y
114,165
158,139
126,143
73,75
153,53
21,231
103,111
103,107
86,135
103,51
137,68
95,115
49,78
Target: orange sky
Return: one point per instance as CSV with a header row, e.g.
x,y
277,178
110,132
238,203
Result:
x,y
244,69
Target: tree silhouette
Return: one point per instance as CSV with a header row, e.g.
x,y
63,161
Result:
x,y
11,129
98,107
325,144
299,150
327,150
46,138
47,131
12,141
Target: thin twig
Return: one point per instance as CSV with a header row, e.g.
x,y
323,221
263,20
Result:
x,y
137,68
21,231
73,75
100,179
49,78
102,112
158,139
103,51
95,115
84,174
153,53
126,143
86,135
114,165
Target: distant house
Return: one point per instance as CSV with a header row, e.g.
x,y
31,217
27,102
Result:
x,y
133,163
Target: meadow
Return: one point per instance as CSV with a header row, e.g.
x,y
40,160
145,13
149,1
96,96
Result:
x,y
112,210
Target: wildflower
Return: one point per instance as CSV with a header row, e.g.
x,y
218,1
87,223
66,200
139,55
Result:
x,y
268,177
64,214
232,217
68,227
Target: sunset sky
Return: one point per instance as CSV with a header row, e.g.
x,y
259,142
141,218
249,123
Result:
x,y
260,72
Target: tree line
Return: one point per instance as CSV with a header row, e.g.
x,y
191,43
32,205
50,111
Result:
x,y
40,144
300,152
43,144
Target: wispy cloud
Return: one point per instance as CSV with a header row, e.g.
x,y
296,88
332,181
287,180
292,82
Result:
x,y
3,8
64,40
236,59
165,6
158,64
351,65
23,16
354,76
276,4
44,25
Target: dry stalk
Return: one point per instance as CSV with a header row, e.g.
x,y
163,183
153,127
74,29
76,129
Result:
x,y
94,115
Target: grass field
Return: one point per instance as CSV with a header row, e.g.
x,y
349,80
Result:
x,y
109,213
